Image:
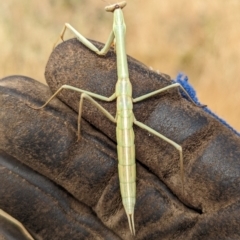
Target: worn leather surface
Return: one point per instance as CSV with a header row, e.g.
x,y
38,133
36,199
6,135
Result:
x,y
46,142
85,172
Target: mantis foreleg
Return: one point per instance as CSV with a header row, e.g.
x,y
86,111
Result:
x,y
86,42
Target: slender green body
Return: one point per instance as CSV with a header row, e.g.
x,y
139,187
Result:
x,y
125,119
124,115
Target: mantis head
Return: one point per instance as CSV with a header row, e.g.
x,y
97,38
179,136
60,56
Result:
x,y
114,6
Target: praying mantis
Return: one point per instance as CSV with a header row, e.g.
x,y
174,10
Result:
x,y
124,118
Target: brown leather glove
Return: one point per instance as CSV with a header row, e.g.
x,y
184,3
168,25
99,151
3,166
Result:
x,y
63,189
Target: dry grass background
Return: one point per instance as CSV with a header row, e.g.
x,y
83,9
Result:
x,y
199,38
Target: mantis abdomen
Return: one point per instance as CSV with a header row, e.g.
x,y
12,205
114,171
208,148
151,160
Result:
x,y
126,148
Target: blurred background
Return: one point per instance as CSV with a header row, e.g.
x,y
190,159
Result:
x,y
198,38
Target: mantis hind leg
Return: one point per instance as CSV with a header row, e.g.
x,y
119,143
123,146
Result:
x,y
177,146
143,126
96,104
85,41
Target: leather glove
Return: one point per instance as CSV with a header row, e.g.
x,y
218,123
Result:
x,y
63,189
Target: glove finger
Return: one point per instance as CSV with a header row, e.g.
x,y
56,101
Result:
x,y
47,211
45,140
209,148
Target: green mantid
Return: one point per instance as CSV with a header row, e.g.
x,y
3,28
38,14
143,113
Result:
x,y
124,118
